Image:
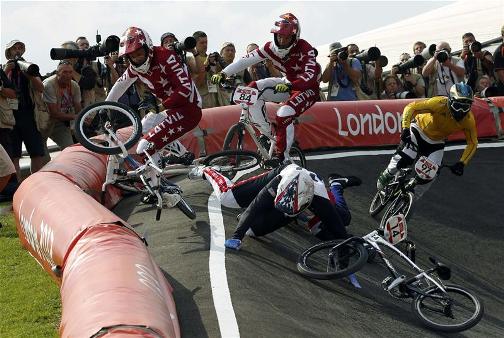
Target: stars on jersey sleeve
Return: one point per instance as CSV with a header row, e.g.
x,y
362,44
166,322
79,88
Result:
x,y
296,68
163,81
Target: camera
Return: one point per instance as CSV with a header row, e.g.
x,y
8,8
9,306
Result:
x,y
413,62
427,53
405,95
25,66
372,54
111,45
442,56
187,44
382,61
475,47
341,52
217,58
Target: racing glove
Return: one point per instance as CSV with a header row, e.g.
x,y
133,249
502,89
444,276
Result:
x,y
406,135
282,88
218,78
457,168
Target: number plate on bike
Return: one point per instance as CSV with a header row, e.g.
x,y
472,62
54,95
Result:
x,y
425,168
395,230
245,95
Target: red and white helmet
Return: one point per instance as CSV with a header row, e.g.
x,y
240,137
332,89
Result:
x,y
133,39
287,25
295,190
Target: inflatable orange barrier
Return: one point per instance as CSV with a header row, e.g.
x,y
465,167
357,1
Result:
x,y
336,124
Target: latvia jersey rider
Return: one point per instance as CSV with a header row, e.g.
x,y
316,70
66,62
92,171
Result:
x,y
426,125
295,58
165,74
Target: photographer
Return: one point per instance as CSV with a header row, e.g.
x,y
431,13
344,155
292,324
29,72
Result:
x,y
369,87
477,62
62,96
29,90
443,70
261,70
393,89
342,73
410,82
226,57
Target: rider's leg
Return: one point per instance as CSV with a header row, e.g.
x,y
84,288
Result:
x,y
222,187
336,190
423,186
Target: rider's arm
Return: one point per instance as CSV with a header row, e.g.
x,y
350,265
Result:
x,y
324,209
307,79
248,60
414,108
471,135
121,86
182,86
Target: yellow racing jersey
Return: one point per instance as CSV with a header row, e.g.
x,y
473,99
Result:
x,y
433,117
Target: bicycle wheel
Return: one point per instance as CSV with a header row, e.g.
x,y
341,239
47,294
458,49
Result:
x,y
378,203
186,208
327,260
454,311
234,138
92,121
401,205
297,156
233,160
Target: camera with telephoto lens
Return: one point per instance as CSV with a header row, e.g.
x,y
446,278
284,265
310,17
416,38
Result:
x,y
413,62
217,58
475,47
25,66
442,56
111,45
405,95
341,52
372,54
181,47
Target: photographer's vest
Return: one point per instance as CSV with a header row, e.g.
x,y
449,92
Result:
x,y
7,119
53,82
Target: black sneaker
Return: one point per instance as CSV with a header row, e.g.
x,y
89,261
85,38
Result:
x,y
345,181
265,142
186,159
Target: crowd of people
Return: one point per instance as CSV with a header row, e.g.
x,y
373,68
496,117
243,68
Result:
x,y
35,108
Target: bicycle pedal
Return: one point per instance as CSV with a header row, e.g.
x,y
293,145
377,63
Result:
x,y
120,172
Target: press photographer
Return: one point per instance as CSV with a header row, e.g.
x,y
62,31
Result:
x,y
342,73
443,70
92,73
371,71
393,89
410,82
477,62
27,107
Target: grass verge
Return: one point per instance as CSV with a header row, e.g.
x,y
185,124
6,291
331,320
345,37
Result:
x,y
29,298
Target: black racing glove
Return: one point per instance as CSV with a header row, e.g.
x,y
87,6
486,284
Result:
x,y
457,168
406,135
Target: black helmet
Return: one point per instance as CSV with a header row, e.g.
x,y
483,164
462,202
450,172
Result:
x,y
460,100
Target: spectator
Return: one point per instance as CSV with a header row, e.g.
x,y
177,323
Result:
x,y
7,120
477,62
410,82
202,75
443,70
62,95
29,90
111,73
393,88
93,75
6,168
261,70
167,40
418,47
342,73
227,54
372,71
483,83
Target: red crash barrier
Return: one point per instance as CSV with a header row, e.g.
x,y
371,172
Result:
x,y
109,280
336,124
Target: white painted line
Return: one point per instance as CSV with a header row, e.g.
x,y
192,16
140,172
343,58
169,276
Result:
x,y
226,317
228,325
391,151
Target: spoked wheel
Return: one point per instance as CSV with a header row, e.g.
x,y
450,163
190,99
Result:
x,y
332,259
401,205
297,156
379,202
233,160
454,311
186,208
234,138
97,127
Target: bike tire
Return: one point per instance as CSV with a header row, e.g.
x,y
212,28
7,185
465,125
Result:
x,y
234,138
297,156
400,205
421,307
377,204
306,268
233,160
186,208
115,111
132,185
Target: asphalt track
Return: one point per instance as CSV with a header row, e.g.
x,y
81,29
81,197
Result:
x,y
459,220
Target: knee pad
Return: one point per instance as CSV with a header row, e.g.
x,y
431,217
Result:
x,y
285,111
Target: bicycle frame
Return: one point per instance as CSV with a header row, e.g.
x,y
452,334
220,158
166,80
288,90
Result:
x,y
247,123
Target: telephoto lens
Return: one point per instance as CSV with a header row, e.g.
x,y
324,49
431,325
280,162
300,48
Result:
x,y
442,56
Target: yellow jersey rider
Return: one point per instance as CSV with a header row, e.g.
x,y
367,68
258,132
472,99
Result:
x,y
426,124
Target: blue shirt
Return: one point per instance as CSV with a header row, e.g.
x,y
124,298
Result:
x,y
342,86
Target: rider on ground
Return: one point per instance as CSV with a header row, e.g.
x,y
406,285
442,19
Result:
x,y
298,90
275,198
426,124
